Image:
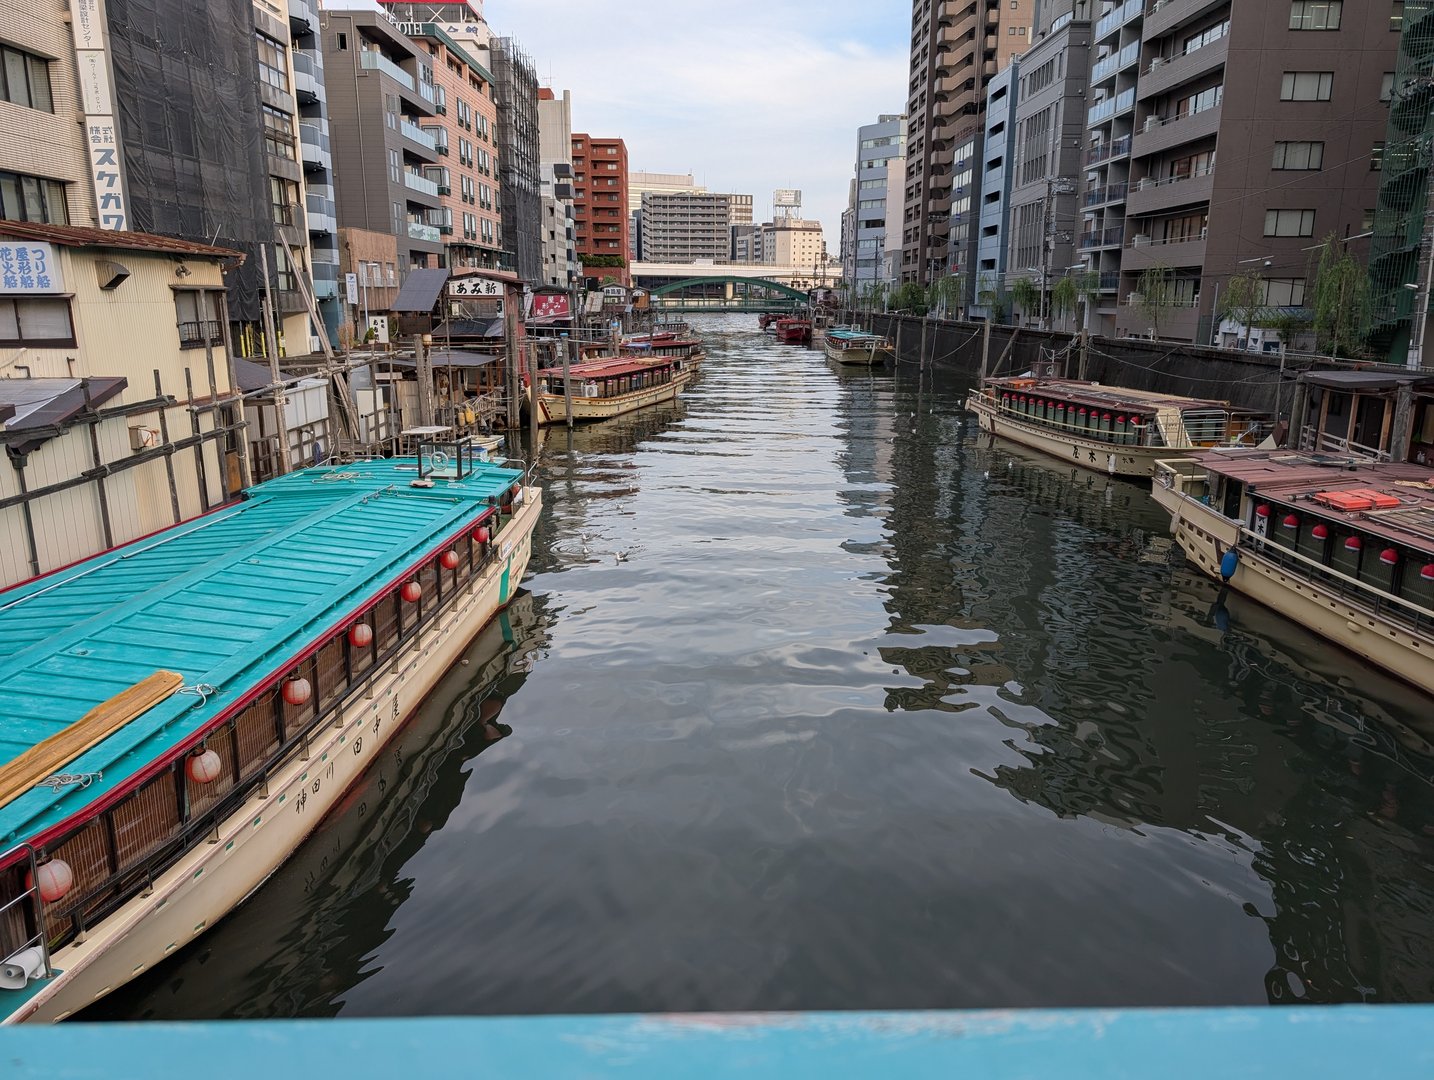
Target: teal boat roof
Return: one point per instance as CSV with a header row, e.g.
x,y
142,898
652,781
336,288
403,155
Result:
x,y
224,599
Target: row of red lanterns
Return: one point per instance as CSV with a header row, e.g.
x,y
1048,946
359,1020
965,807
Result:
x,y
1320,531
1041,403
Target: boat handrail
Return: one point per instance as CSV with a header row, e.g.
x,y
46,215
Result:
x,y
13,859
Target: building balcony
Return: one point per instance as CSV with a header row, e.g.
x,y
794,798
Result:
x,y
1152,196
417,230
308,76
1102,111
320,214
1159,134
1144,252
1104,69
1102,195
1109,24
374,60
326,290
422,184
1167,15
1107,151
314,147
413,133
1164,75
1102,238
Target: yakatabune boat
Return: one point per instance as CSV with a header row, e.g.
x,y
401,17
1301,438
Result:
x,y
846,345
1343,547
685,347
1109,428
181,711
603,389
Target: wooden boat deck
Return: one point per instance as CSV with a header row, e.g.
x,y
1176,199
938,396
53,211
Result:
x,y
1109,397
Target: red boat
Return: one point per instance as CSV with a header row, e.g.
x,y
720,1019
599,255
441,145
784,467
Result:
x,y
794,331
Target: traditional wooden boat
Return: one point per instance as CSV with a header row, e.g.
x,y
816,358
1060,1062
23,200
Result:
x,y
686,347
184,709
1107,428
847,345
794,331
1344,547
612,387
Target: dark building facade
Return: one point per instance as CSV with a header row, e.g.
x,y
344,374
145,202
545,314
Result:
x,y
519,156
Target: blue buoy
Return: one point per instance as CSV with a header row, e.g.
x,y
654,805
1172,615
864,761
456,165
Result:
x,y
1228,563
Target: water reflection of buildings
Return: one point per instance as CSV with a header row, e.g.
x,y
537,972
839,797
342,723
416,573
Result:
x,y
1054,600
308,936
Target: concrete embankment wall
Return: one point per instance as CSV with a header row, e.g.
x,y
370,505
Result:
x,y
1249,380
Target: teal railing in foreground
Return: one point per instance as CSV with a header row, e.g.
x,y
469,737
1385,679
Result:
x,y
1388,1042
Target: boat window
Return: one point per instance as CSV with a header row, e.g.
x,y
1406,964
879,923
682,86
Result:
x,y
257,732
384,619
332,671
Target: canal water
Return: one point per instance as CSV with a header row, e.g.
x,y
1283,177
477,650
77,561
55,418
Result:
x,y
816,701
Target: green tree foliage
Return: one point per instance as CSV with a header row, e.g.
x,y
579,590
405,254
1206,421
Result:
x,y
910,298
1026,296
1341,300
947,294
1155,291
990,297
1243,300
1073,290
590,261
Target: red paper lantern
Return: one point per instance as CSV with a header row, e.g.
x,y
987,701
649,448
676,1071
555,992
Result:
x,y
480,534
1120,419
449,560
297,691
1105,417
1354,543
1291,522
54,878
1389,556
412,591
1262,510
204,767
1320,531
361,635
1428,572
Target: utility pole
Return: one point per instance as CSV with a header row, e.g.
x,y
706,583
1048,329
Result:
x,y
533,395
510,346
568,346
985,352
1055,185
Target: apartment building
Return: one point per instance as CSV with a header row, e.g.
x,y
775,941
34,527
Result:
x,y
384,134
466,124
685,227
519,156
315,155
871,244
600,199
1234,166
555,137
957,47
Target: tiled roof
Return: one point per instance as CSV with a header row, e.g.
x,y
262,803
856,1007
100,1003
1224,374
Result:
x,y
84,236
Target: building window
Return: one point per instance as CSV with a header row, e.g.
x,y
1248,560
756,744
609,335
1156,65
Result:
x,y
1298,155
278,132
1289,222
191,313
1376,157
1198,103
273,64
1315,14
25,79
1396,16
1386,87
395,167
32,198
283,198
343,42
38,321
1284,292
1306,85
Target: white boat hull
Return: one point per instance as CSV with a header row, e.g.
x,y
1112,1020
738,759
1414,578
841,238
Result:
x,y
213,878
864,355
1205,536
552,409
1115,459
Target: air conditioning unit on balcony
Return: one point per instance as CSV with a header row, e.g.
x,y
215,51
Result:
x,y
1156,62
1152,122
1138,239
1132,298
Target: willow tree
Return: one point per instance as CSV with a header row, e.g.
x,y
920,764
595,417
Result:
x,y
1341,302
1243,299
1155,294
1026,296
910,298
1074,290
946,294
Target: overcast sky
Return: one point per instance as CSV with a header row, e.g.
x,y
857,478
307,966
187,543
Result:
x,y
747,95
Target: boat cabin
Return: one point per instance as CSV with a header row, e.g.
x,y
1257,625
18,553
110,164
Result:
x,y
611,378
1373,415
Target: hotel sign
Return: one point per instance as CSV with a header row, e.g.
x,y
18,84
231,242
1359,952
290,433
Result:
x,y
29,268
87,24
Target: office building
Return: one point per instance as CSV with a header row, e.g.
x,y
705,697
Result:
x,y
993,215
957,47
600,201
315,155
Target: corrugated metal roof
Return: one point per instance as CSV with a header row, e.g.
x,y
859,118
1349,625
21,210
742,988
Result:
x,y
225,599
84,236
420,290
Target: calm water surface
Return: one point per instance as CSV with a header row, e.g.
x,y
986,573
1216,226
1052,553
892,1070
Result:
x,y
818,702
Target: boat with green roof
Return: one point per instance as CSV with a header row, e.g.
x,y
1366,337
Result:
x,y
183,710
